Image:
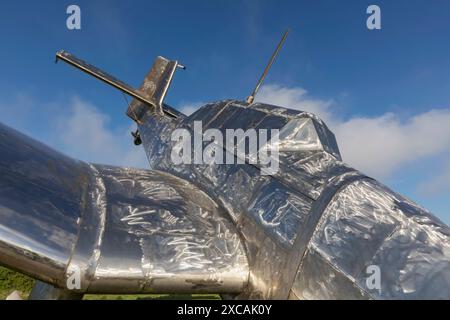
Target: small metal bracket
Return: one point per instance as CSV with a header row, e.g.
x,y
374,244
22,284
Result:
x,y
150,95
155,86
137,137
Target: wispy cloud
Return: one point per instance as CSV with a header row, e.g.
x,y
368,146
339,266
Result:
x,y
86,134
79,130
384,144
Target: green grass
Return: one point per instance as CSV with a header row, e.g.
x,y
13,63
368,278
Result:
x,y
10,281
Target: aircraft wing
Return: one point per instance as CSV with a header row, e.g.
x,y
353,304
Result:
x,y
121,230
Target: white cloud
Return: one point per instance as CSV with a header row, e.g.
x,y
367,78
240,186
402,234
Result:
x,y
85,134
379,145
384,144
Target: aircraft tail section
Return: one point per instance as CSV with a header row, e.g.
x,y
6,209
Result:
x,y
150,97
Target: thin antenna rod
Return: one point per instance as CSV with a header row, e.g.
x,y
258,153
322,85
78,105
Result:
x,y
266,70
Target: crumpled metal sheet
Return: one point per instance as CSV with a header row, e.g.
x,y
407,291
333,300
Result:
x,y
277,215
164,235
279,211
318,280
299,135
124,230
366,224
309,231
302,169
270,211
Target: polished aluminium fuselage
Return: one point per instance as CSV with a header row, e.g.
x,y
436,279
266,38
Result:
x,y
119,230
312,230
316,228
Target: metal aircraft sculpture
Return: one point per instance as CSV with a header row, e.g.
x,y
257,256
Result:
x,y
313,229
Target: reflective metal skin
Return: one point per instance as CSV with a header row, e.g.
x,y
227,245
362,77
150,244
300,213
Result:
x,y
312,230
125,230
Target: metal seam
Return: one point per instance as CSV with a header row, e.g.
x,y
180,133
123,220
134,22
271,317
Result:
x,y
96,212
309,228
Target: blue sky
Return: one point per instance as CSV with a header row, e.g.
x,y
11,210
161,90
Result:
x,y
385,93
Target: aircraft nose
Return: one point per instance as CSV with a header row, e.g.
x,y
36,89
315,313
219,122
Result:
x,y
40,195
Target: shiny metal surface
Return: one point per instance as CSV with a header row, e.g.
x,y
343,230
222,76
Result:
x,y
152,92
368,224
310,230
42,194
161,234
125,230
279,216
